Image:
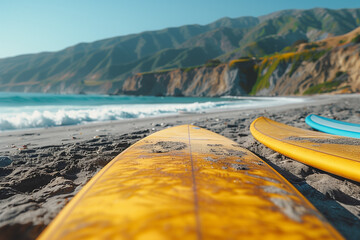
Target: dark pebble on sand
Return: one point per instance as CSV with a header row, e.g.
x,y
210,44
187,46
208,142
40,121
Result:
x,y
5,161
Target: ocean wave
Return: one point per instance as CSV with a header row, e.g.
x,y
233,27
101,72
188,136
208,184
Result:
x,y
39,117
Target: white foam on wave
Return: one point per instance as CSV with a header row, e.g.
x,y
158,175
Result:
x,y
37,117
48,116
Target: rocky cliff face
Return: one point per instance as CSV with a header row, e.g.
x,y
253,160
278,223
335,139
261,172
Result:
x,y
201,81
297,73
337,71
330,66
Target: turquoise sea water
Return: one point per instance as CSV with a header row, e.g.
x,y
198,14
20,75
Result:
x,y
34,110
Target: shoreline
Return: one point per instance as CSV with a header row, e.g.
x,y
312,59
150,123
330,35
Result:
x,y
66,132
47,114
50,165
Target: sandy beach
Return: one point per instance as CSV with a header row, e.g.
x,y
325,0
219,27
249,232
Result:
x,y
42,169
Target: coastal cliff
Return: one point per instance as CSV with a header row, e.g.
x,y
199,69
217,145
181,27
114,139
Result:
x,y
337,71
220,80
327,66
304,72
311,68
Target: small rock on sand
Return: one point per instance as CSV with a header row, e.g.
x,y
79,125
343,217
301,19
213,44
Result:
x,y
5,161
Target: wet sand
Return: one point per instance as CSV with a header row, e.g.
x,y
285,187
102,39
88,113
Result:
x,y
42,169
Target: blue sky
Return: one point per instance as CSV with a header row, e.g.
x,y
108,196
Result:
x,y
31,26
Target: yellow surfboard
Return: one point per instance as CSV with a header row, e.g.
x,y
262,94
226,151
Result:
x,y
334,154
188,183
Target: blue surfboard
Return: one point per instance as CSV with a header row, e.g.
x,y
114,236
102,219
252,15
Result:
x,y
333,126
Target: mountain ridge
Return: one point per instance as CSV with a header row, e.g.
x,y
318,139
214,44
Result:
x,y
325,66
104,65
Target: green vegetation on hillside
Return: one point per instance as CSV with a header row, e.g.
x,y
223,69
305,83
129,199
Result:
x,y
322,88
212,63
188,69
356,39
234,63
269,64
312,56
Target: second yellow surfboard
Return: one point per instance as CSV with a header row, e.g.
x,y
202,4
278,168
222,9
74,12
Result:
x,y
334,154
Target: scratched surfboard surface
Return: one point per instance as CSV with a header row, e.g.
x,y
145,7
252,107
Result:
x,y
186,182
